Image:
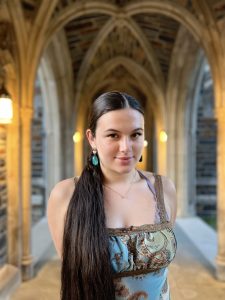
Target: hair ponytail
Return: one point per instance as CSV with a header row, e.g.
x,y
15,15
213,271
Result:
x,y
86,272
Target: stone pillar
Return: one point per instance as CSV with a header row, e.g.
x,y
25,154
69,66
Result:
x,y
27,267
220,259
3,197
13,184
69,150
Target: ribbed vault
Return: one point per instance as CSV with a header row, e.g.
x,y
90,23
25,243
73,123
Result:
x,y
145,31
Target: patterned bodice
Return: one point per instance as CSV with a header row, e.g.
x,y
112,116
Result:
x,y
143,249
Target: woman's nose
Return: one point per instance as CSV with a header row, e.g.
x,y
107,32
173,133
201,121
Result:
x,y
125,144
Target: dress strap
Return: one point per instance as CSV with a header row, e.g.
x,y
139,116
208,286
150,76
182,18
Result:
x,y
150,185
159,194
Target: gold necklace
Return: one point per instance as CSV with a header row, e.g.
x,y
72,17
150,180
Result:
x,y
122,196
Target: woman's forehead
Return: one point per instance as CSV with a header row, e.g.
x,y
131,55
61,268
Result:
x,y
127,117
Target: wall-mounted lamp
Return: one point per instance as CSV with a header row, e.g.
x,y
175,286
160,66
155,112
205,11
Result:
x,y
6,107
76,137
163,136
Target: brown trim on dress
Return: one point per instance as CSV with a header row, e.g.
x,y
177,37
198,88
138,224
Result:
x,y
160,198
134,272
140,228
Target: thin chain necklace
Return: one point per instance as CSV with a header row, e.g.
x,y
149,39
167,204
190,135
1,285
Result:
x,y
124,195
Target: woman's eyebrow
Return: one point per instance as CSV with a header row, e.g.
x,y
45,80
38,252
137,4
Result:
x,y
115,130
139,129
111,129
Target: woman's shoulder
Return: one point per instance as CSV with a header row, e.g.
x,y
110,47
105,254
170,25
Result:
x,y
169,192
149,175
60,197
62,191
168,188
166,181
170,198
56,209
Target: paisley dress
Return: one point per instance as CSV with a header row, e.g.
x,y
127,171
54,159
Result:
x,y
140,255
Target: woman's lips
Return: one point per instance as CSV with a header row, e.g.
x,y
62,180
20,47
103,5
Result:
x,y
125,158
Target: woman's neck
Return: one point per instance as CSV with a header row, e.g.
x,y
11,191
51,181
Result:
x,y
111,178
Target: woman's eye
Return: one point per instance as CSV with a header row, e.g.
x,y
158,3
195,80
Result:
x,y
136,134
113,135
116,136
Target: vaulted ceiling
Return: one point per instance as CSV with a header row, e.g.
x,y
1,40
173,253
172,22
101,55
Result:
x,y
146,38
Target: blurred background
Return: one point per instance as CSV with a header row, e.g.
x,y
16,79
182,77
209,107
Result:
x,y
56,57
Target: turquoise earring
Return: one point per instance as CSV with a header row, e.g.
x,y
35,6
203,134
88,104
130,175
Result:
x,y
94,158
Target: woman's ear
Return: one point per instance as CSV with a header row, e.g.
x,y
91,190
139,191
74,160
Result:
x,y
91,138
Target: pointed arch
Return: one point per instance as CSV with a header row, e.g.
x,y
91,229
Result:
x,y
96,81
112,24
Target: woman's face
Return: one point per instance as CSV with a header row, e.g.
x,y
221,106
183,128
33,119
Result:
x,y
119,140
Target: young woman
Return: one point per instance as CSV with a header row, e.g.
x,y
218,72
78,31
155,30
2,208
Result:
x,y
112,226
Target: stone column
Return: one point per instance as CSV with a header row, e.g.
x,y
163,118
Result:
x,y
26,117
220,259
3,197
13,184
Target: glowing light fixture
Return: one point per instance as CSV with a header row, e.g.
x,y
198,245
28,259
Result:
x,y
163,136
145,143
76,137
6,106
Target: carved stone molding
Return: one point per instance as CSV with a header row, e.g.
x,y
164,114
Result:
x,y
6,44
120,42
2,3
6,36
119,73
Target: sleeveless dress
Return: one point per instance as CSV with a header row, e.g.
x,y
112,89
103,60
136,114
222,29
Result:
x,y
140,255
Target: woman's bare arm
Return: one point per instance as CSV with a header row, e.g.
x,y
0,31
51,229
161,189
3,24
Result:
x,y
56,210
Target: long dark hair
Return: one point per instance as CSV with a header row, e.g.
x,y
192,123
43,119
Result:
x,y
86,271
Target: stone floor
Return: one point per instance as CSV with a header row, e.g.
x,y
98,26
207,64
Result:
x,y
191,276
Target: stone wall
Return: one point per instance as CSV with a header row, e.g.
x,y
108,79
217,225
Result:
x,y
3,197
206,151
38,164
